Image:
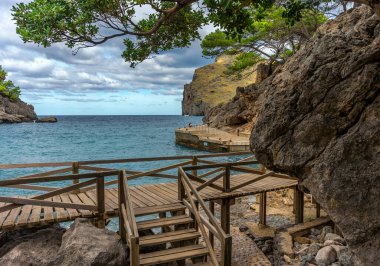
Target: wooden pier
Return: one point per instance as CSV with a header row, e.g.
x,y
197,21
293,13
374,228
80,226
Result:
x,y
184,209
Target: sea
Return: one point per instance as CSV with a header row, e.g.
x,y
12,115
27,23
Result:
x,y
80,138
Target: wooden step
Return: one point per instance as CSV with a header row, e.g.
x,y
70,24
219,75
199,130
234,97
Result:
x,y
169,237
159,209
175,220
173,254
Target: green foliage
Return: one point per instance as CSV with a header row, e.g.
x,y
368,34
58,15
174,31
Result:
x,y
268,37
7,88
150,27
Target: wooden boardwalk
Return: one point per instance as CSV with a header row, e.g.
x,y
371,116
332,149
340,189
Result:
x,y
143,196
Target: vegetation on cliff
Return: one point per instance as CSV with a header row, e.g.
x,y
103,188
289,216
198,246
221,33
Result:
x,y
7,88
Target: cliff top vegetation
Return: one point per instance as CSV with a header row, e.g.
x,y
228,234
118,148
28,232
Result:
x,y
7,88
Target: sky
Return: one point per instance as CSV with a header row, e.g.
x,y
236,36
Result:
x,y
95,81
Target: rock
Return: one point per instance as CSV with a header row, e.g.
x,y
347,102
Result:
x,y
314,248
325,256
325,230
15,111
331,242
320,121
287,259
307,258
339,249
285,244
50,119
334,237
31,247
212,86
315,232
302,240
84,244
345,257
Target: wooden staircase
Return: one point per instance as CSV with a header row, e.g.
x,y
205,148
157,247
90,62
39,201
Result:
x,y
176,238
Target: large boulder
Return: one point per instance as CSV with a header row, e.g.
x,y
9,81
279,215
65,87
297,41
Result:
x,y
320,121
85,244
30,247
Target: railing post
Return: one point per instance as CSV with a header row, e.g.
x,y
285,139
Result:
x,y
227,251
212,210
299,204
181,188
100,201
225,208
194,163
121,191
317,210
135,252
263,209
75,170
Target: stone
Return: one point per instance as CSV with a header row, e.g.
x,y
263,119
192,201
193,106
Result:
x,y
334,237
287,259
315,232
307,258
285,244
331,242
339,249
50,119
302,240
320,122
31,247
326,256
314,248
345,258
85,244
325,230
260,231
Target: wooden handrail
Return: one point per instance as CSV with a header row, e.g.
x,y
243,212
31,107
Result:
x,y
218,165
129,160
212,224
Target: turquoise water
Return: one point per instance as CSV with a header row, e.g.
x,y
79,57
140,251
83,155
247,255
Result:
x,y
79,138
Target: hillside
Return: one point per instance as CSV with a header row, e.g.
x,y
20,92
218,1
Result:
x,y
15,111
211,86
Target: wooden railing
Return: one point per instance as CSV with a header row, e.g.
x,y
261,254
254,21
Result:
x,y
192,200
44,199
127,222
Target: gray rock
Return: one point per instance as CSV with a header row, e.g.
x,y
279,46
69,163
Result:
x,y
31,247
320,121
50,119
84,244
325,230
314,248
334,237
326,256
331,242
345,257
315,232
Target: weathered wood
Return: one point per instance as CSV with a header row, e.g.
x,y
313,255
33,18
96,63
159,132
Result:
x,y
317,210
299,203
263,208
202,181
218,165
252,181
227,180
227,252
100,201
212,211
225,215
49,173
211,181
75,171
123,215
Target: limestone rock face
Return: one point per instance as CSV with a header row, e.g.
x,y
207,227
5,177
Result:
x,y
84,244
212,86
15,111
320,121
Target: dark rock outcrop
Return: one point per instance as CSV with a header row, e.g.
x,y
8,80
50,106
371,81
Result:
x,y
15,111
320,121
50,119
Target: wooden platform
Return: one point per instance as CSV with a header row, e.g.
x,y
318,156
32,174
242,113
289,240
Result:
x,y
153,196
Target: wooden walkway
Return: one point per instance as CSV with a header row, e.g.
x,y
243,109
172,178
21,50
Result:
x,y
154,196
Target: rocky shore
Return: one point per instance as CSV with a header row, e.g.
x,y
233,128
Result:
x,y
16,111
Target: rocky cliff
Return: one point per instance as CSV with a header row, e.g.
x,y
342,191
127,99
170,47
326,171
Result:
x,y
320,121
212,86
15,111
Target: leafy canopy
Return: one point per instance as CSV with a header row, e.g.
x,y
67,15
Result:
x,y
7,88
269,37
148,27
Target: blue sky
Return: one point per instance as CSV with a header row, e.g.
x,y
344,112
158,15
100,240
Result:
x,y
96,80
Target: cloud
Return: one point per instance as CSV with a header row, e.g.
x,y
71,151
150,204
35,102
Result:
x,y
44,73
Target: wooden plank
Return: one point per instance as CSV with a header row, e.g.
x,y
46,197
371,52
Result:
x,y
173,254
11,219
174,220
75,199
111,200
147,191
158,209
60,213
35,216
169,237
73,213
142,197
135,197
24,216
3,215
92,196
48,213
167,194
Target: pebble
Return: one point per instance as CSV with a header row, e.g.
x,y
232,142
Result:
x,y
302,240
325,230
334,237
332,242
326,256
287,259
315,232
314,248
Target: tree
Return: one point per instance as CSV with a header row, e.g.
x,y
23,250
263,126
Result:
x,y
269,37
148,27
7,88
